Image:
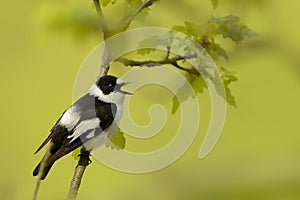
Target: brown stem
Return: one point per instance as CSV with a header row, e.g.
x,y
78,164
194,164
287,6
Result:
x,y
83,162
153,63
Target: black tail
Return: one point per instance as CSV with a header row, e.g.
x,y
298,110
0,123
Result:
x,y
45,171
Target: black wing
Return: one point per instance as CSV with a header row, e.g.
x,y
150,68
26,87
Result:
x,y
89,107
49,136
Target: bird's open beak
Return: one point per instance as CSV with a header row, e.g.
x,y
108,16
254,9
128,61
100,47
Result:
x,y
120,85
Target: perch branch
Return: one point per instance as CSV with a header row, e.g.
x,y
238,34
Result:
x,y
83,162
167,61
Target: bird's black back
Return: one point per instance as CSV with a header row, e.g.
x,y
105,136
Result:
x,y
89,107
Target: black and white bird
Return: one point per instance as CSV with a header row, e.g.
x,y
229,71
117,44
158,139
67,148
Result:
x,y
91,121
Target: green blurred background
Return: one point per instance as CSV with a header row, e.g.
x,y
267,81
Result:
x,y
257,156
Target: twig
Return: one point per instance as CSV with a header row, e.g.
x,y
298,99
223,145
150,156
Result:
x,y
106,33
41,170
102,18
84,161
128,19
153,63
105,65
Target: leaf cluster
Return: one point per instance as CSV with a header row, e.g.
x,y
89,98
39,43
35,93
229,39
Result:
x,y
228,27
207,34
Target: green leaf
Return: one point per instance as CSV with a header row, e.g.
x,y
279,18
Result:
x,y
75,153
227,79
189,29
215,3
133,4
164,41
229,97
105,2
145,51
196,82
231,27
215,50
205,36
175,105
149,42
183,92
117,141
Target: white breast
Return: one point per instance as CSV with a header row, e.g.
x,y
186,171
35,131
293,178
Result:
x,y
108,133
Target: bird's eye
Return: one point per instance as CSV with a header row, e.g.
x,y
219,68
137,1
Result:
x,y
110,86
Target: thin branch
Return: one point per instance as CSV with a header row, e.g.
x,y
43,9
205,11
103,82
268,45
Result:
x,y
41,170
106,57
106,33
128,19
153,63
83,162
168,51
102,18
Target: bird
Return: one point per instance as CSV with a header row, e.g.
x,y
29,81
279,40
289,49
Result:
x,y
90,121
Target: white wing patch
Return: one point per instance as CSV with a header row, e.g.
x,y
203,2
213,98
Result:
x,y
91,134
102,138
70,118
85,126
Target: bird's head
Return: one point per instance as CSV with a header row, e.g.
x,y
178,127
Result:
x,y
108,89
